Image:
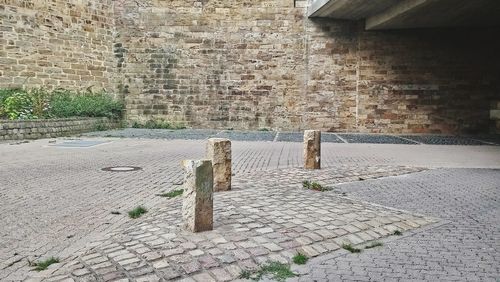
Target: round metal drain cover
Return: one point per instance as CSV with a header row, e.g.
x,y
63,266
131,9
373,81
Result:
x,y
122,168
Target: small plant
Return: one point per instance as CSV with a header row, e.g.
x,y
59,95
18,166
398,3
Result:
x,y
300,259
264,129
350,248
245,274
42,265
172,194
278,270
397,233
314,186
137,212
157,124
101,126
374,245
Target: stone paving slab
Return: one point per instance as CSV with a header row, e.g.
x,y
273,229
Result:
x,y
253,224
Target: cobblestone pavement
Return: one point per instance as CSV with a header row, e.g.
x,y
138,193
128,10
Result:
x,y
236,135
254,224
57,200
466,247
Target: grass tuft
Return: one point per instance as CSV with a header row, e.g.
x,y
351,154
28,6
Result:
x,y
279,271
42,265
300,258
245,274
314,186
350,248
374,245
172,194
158,124
137,212
397,233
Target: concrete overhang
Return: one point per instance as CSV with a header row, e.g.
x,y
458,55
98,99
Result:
x,y
399,14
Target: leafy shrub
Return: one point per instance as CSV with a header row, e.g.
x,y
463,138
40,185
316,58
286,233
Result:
x,y
87,104
40,103
19,105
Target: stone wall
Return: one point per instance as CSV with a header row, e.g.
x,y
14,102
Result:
x,y
495,117
255,64
57,43
50,128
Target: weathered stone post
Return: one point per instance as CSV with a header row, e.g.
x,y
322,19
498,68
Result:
x,y
312,149
219,152
197,208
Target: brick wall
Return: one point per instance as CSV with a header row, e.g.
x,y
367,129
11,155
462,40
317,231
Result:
x,y
254,64
50,128
56,43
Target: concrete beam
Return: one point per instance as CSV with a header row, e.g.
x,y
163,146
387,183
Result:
x,y
399,10
348,9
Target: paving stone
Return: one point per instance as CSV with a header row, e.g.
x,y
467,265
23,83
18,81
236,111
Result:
x,y
260,169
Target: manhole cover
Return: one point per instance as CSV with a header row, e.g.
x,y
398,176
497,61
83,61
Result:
x,y
122,168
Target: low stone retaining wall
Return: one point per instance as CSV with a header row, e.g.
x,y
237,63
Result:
x,y
49,128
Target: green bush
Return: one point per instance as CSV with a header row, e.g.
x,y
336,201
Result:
x,y
65,104
40,103
19,105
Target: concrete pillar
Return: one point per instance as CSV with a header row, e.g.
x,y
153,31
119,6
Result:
x,y
197,207
219,152
312,149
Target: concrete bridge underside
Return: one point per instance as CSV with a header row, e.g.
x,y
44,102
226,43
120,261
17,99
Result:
x,y
398,14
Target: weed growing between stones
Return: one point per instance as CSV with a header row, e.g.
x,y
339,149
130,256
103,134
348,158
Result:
x,y
397,233
172,194
300,259
115,212
350,248
314,186
278,271
157,124
42,265
137,212
374,245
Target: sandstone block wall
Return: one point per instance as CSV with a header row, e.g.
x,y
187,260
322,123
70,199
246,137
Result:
x,y
254,64
57,43
50,128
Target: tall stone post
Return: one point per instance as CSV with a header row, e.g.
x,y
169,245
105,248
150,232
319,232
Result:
x,y
197,207
219,152
312,149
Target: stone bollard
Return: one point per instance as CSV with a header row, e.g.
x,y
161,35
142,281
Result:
x,y
197,207
312,149
219,152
